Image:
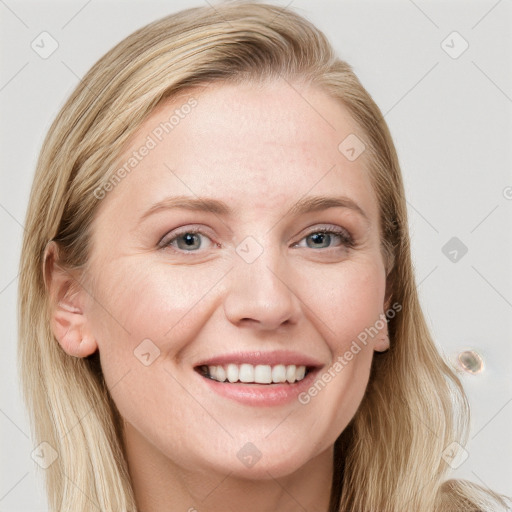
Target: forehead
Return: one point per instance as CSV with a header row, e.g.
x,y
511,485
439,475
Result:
x,y
257,145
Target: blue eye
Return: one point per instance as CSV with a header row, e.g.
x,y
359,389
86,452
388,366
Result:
x,y
188,241
321,239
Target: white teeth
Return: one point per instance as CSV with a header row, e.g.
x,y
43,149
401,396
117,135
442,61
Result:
x,y
246,373
279,373
259,374
262,374
220,374
231,373
290,373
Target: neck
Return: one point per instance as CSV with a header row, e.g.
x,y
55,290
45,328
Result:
x,y
161,485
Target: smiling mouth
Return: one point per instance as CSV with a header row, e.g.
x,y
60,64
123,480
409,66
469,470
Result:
x,y
254,374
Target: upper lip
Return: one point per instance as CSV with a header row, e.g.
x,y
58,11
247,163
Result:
x,y
285,357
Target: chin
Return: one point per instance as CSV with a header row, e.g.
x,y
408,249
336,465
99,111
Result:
x,y
250,462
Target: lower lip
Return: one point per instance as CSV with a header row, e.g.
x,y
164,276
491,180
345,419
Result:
x,y
261,394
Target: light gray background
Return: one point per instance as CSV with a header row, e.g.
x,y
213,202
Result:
x,y
451,122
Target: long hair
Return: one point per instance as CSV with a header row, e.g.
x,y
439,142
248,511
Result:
x,y
390,456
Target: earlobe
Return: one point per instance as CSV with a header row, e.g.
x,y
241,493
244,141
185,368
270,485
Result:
x,y
381,343
66,306
68,326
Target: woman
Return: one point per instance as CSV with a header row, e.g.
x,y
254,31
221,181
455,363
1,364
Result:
x,y
217,301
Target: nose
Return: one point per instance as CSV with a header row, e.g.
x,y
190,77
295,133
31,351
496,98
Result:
x,y
261,294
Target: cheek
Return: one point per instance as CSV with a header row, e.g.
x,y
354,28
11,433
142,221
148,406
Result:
x,y
348,313
156,301
157,309
345,302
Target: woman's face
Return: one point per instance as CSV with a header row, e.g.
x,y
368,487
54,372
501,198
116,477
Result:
x,y
247,277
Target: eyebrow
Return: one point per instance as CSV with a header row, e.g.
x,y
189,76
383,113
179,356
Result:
x,y
204,204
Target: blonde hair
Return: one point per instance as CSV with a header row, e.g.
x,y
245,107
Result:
x,y
389,458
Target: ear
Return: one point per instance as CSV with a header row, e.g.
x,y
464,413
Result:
x,y
389,292
67,299
381,342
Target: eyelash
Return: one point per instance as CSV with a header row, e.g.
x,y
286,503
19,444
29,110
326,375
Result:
x,y
346,239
